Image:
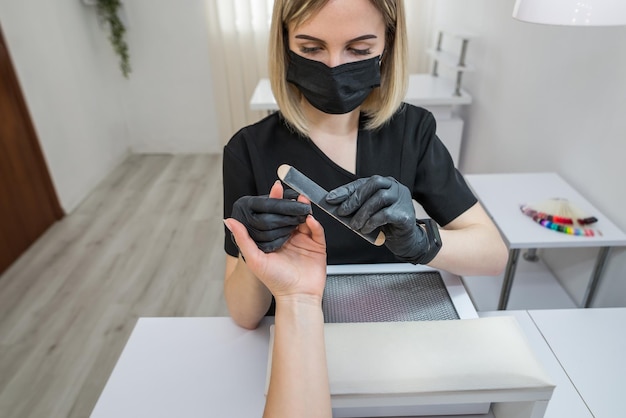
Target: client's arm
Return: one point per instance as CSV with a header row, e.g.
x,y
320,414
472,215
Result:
x,y
295,274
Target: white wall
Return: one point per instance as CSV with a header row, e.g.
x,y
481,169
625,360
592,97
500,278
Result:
x,y
65,70
548,98
86,114
170,96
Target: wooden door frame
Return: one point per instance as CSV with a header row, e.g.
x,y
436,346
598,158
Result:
x,y
33,142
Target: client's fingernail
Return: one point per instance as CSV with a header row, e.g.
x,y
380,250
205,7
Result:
x,y
226,223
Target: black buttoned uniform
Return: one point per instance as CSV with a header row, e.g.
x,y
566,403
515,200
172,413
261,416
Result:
x,y
405,148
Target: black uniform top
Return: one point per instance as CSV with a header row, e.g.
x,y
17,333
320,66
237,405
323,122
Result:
x,y
405,148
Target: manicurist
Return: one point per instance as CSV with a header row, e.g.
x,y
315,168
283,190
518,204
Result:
x,y
338,73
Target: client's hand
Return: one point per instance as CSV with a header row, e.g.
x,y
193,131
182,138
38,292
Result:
x,y
270,220
384,202
297,269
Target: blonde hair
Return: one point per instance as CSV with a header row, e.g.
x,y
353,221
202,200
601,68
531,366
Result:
x,y
382,102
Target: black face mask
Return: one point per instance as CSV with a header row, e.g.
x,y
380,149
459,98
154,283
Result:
x,y
335,90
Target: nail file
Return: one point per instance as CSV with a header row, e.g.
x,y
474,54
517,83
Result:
x,y
317,195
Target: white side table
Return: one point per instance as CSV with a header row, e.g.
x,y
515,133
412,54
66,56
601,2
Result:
x,y
502,194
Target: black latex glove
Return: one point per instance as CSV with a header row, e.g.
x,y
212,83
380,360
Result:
x,y
384,202
270,221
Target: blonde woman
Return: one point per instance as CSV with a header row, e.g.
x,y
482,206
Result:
x,y
338,72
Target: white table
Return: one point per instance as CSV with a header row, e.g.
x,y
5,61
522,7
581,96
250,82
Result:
x,y
502,194
590,345
199,367
566,401
433,93
188,367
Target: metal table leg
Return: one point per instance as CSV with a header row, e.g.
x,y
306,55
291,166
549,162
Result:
x,y
596,275
531,255
508,278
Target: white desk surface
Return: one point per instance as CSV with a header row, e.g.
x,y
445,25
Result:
x,y
502,195
591,346
565,402
199,367
188,367
423,90
192,368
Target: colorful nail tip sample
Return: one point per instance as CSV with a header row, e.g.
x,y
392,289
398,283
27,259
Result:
x,y
561,216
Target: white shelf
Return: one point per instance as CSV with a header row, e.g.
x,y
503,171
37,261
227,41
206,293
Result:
x,y
534,287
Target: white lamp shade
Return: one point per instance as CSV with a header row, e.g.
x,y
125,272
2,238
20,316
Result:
x,y
572,12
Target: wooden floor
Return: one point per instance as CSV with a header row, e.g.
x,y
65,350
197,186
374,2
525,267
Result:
x,y
147,242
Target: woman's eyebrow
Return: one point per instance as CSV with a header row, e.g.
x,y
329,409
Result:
x,y
363,37
308,38
358,38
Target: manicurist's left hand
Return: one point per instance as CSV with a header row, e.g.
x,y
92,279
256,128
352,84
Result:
x,y
383,202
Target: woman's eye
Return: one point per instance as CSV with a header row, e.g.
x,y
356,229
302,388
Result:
x,y
309,49
356,51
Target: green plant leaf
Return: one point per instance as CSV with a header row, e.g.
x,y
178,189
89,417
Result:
x,y
109,16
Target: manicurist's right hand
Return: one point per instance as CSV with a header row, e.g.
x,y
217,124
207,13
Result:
x,y
270,220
